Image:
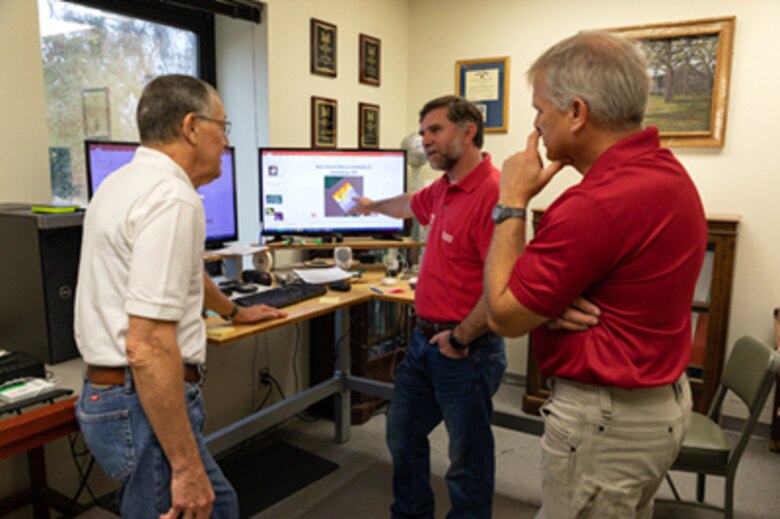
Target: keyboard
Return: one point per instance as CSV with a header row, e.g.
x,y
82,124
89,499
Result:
x,y
282,296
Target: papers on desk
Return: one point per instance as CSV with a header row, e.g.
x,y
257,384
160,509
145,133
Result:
x,y
322,276
234,250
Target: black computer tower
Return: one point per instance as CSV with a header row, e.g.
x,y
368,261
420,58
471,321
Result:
x,y
39,261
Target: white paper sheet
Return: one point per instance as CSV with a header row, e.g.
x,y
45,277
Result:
x,y
321,276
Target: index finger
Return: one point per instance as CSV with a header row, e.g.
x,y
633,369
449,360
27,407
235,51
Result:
x,y
532,145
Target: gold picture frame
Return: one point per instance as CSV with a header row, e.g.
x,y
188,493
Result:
x,y
323,48
324,122
690,69
368,126
485,82
370,60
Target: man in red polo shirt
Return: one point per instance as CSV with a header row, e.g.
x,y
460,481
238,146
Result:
x,y
454,364
630,237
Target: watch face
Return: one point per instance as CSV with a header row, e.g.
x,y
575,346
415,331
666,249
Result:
x,y
498,214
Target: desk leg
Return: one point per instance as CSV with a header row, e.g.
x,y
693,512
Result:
x,y
343,401
36,464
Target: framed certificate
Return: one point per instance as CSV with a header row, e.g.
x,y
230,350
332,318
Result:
x,y
323,48
370,59
368,124
485,82
323,122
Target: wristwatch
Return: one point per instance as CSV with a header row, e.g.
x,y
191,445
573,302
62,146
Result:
x,y
232,314
455,342
502,212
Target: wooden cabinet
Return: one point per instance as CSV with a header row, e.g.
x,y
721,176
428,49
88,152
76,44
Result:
x,y
710,316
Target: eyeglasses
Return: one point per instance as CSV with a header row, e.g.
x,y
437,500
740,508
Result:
x,y
225,124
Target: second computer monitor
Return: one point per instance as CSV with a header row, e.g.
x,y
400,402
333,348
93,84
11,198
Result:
x,y
219,196
311,192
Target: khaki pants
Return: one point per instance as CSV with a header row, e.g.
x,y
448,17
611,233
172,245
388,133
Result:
x,y
605,451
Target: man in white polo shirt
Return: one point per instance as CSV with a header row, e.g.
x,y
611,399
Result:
x,y
138,310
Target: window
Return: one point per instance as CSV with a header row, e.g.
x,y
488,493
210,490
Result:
x,y
96,63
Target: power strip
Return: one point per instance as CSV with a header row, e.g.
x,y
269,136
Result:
x,y
19,389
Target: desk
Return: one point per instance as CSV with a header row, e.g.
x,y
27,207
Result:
x,y
29,432
341,383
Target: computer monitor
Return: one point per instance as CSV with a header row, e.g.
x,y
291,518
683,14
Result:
x,y
219,196
310,192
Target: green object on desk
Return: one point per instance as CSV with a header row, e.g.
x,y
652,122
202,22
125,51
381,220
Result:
x,y
55,209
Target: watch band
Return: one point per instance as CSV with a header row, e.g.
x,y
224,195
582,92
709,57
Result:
x,y
232,314
455,342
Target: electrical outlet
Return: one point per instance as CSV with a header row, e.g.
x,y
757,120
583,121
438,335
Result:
x,y
265,377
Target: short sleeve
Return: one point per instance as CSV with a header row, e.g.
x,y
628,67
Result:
x,y
166,237
422,203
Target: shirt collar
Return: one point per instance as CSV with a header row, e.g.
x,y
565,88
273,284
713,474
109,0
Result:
x,y
632,146
475,177
163,161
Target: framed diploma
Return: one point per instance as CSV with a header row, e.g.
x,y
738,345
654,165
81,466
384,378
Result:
x,y
368,124
323,48
323,122
370,59
485,82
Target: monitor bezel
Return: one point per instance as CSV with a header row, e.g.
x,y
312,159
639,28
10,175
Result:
x,y
404,231
88,164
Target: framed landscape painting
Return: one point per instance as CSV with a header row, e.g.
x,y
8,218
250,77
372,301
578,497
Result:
x,y
690,67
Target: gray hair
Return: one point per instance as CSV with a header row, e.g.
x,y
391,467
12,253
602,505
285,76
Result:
x,y
164,103
459,111
608,72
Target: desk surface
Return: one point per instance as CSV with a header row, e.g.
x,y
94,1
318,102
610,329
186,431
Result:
x,y
221,332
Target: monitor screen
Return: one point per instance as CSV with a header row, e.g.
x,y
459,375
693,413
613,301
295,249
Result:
x,y
219,196
305,191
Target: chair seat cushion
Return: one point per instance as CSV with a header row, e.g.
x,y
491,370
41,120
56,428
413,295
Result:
x,y
705,444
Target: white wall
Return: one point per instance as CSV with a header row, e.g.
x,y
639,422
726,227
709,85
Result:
x,y
24,175
291,85
736,179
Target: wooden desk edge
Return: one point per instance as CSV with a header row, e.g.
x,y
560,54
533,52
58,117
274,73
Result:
x,y
303,311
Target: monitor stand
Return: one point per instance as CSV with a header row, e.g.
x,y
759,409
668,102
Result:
x,y
330,238
387,237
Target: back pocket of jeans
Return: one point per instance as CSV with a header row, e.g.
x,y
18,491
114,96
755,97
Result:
x,y
109,437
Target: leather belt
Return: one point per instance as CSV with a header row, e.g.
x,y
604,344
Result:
x,y
108,376
430,328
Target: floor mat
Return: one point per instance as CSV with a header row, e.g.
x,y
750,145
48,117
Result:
x,y
272,473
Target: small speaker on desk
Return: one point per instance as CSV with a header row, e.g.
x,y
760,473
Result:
x,y
263,261
343,257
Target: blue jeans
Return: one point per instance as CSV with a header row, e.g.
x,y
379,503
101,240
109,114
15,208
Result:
x,y
430,387
121,439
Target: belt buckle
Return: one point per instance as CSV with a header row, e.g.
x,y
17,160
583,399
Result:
x,y
201,373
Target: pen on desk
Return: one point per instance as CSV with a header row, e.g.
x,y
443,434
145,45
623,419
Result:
x,y
375,289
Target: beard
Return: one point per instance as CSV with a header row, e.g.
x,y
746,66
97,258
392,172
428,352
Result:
x,y
445,159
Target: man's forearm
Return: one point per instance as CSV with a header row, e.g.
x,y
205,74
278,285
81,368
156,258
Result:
x,y
474,324
397,207
507,245
214,299
156,362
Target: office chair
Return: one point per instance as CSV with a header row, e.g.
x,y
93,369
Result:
x,y
749,373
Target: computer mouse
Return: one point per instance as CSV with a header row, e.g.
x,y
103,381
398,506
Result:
x,y
245,288
340,286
